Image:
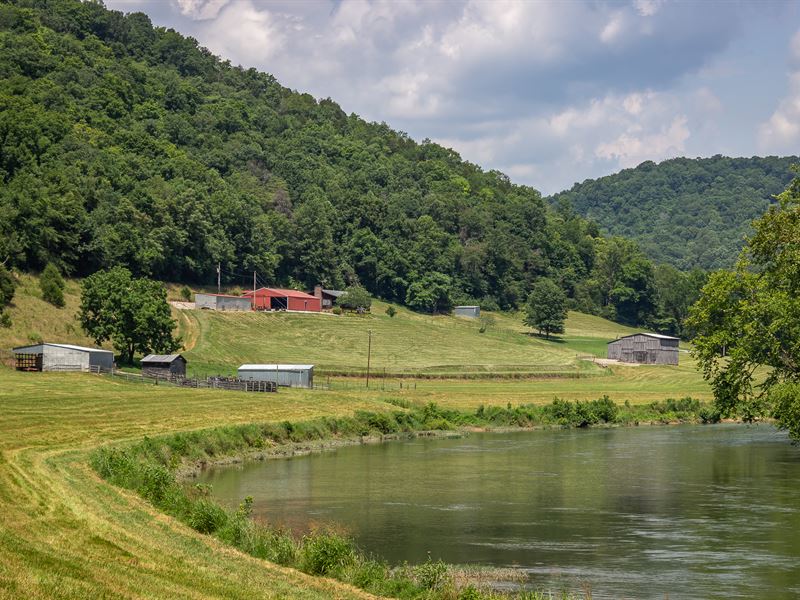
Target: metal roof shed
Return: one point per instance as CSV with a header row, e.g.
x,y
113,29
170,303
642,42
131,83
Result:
x,y
222,302
61,357
285,375
164,365
645,348
472,312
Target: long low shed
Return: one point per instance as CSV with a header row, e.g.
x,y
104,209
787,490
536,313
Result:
x,y
61,357
645,348
222,302
285,375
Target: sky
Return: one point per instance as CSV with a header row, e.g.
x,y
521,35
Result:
x,y
550,93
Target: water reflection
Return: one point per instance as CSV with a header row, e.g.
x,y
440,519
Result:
x,y
692,512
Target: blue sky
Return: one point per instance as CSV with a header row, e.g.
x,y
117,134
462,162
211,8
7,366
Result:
x,y
550,93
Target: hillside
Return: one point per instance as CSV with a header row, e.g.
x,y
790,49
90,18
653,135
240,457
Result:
x,y
408,343
122,143
690,213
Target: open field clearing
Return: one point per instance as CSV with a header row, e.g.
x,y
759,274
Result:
x,y
66,534
408,343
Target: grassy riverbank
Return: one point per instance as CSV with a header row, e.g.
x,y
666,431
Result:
x,y
151,469
66,533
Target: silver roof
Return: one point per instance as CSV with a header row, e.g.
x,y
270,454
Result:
x,y
67,346
467,306
159,358
659,336
275,367
336,293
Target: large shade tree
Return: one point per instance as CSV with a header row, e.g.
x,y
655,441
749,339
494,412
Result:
x,y
546,309
132,313
748,322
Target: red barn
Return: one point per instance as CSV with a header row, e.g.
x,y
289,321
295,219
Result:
x,y
280,299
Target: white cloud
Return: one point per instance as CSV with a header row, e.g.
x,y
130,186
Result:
x,y
634,146
201,10
781,132
244,34
647,8
614,29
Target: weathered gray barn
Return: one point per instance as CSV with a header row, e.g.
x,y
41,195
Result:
x,y
473,312
645,348
285,375
61,357
164,365
327,297
222,302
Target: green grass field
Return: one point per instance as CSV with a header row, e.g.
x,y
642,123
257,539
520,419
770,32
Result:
x,y
407,343
64,533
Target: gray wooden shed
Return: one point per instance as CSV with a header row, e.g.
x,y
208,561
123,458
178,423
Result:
x,y
285,375
472,312
164,365
645,348
222,302
61,357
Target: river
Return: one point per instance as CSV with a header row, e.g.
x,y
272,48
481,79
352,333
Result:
x,y
647,512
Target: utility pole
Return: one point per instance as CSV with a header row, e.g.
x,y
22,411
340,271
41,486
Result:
x,y
254,290
219,275
369,352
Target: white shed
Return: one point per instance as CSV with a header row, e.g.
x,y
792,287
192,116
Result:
x,y
472,312
222,302
61,357
285,375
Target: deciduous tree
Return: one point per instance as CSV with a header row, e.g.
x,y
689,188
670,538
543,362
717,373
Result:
x,y
748,322
132,313
546,309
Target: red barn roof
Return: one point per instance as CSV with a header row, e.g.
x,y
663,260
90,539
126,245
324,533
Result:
x,y
280,292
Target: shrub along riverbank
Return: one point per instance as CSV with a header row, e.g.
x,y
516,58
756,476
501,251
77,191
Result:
x,y
152,467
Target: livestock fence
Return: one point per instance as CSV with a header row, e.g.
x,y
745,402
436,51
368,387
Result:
x,y
215,382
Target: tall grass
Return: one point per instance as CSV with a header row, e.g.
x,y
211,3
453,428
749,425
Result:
x,y
151,468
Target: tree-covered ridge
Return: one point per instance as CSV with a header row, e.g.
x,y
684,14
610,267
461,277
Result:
x,y
127,144
685,212
124,144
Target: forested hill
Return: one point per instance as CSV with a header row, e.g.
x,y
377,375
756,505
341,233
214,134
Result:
x,y
126,144
684,212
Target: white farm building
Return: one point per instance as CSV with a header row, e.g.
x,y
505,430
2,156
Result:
x,y
284,375
61,357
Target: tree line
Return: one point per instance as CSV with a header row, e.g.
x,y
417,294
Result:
x,y
125,144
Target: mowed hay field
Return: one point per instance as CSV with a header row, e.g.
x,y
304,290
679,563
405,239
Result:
x,y
408,343
64,533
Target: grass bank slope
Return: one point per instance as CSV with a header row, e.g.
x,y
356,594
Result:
x,y
33,319
66,534
406,343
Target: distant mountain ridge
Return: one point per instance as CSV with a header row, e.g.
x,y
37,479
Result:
x,y
687,212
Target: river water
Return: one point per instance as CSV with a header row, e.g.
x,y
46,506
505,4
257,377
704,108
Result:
x,y
649,512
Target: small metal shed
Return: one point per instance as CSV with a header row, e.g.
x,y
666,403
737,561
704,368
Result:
x,y
285,375
61,357
222,302
164,365
645,348
327,297
472,312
